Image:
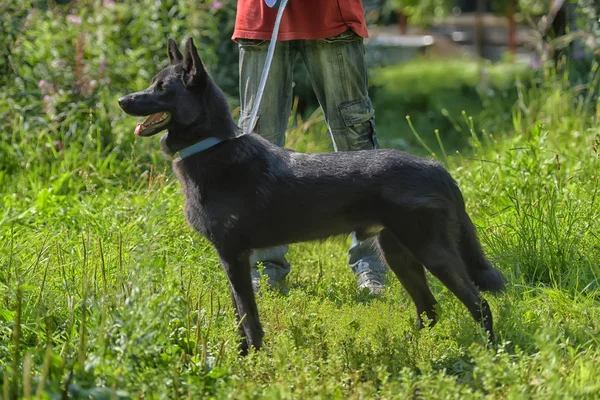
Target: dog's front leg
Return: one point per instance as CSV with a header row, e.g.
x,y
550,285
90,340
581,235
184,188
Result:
x,y
237,268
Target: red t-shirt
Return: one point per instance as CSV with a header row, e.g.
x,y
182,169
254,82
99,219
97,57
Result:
x,y
302,19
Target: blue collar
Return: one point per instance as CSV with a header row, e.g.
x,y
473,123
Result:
x,y
199,147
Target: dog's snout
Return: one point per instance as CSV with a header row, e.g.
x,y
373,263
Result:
x,y
123,101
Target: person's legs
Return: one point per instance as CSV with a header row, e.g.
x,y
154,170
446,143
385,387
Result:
x,y
276,101
338,71
272,122
366,263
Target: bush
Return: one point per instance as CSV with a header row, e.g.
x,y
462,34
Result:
x,y
106,49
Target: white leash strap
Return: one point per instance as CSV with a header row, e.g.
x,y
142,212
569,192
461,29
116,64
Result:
x,y
267,67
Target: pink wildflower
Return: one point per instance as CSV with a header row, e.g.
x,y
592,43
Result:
x,y
74,19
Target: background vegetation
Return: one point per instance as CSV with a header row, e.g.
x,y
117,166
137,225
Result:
x,y
106,293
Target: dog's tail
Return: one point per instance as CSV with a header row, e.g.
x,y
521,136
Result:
x,y
482,273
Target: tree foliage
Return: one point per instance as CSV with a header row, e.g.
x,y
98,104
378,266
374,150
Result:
x,y
421,12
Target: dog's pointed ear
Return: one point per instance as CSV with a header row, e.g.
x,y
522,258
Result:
x,y
175,55
192,65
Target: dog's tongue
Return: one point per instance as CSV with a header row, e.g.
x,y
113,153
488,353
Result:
x,y
149,121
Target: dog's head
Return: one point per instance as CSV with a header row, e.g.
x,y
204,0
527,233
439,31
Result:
x,y
181,99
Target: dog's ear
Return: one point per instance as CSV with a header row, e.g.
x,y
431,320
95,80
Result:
x,y
175,55
192,65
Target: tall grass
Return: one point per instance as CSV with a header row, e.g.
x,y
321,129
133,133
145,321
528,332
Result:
x,y
105,292
537,189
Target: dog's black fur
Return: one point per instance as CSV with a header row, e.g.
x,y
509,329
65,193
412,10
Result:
x,y
246,193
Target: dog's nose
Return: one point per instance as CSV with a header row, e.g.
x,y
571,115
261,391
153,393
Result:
x,y
123,101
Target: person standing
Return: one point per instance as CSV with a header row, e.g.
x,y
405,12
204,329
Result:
x,y
327,35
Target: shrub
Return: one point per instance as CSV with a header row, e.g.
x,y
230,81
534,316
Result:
x,y
64,66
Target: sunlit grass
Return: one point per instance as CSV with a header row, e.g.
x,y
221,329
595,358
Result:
x,y
107,293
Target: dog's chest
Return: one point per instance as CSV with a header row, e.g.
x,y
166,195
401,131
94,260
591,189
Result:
x,y
210,214
195,207
213,220
196,217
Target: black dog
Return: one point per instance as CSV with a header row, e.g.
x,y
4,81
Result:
x,y
243,193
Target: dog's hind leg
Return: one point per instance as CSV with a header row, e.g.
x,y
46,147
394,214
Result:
x,y
410,273
237,269
445,263
431,239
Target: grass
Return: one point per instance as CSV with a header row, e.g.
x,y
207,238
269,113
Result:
x,y
107,293
434,92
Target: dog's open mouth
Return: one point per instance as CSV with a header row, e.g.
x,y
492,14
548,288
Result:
x,y
153,124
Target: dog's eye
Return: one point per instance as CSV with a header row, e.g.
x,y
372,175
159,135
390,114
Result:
x,y
160,87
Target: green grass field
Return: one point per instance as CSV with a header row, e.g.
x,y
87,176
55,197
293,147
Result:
x,y
106,293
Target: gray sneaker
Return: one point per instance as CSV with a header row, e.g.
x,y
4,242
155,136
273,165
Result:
x,y
279,286
275,270
255,284
371,281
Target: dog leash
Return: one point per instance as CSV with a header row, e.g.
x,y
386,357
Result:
x,y
280,4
